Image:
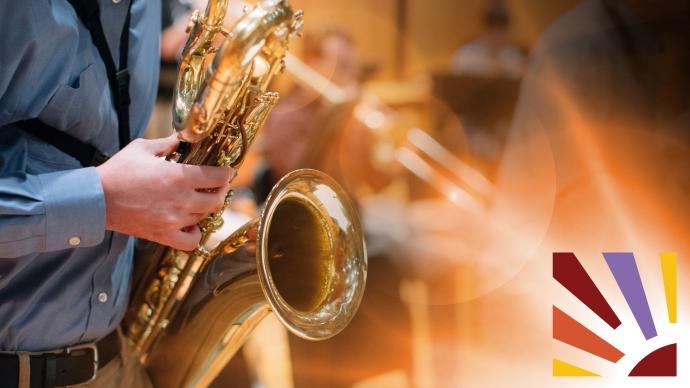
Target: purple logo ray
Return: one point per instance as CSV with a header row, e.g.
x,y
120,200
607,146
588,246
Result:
x,y
624,269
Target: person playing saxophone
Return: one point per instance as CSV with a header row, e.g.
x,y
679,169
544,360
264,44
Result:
x,y
77,85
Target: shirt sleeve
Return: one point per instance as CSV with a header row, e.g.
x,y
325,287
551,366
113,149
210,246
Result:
x,y
50,212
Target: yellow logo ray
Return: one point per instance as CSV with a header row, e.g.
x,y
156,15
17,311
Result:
x,y
668,268
563,369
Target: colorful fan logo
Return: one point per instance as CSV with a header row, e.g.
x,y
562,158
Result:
x,y
570,273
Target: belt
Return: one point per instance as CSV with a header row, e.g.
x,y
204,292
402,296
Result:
x,y
71,366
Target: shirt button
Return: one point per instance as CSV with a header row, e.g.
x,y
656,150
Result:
x,y
74,241
116,1
102,297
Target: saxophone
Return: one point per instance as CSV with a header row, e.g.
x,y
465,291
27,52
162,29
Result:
x,y
303,258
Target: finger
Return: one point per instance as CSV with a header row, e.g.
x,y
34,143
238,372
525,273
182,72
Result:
x,y
206,202
189,219
163,146
195,218
206,177
187,239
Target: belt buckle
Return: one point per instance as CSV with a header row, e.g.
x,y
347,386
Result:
x,y
90,346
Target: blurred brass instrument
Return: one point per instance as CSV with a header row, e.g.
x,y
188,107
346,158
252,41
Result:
x,y
304,258
414,149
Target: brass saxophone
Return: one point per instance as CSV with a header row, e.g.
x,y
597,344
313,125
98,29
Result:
x,y
303,259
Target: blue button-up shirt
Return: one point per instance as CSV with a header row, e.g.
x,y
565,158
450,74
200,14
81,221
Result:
x,y
51,293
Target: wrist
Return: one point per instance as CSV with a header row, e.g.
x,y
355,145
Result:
x,y
104,176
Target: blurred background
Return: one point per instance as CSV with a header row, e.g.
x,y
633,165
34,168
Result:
x,y
475,137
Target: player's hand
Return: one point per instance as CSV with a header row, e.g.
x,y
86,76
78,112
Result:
x,y
151,198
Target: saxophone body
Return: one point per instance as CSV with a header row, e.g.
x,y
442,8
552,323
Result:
x,y
303,259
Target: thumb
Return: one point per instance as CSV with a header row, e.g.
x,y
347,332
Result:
x,y
163,146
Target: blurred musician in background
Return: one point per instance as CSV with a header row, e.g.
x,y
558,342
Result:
x,y
481,88
492,54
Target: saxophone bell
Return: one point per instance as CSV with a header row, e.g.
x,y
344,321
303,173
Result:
x,y
311,255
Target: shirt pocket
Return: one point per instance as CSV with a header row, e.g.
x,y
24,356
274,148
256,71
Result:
x,y
83,109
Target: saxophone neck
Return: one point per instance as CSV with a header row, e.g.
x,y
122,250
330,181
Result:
x,y
196,56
